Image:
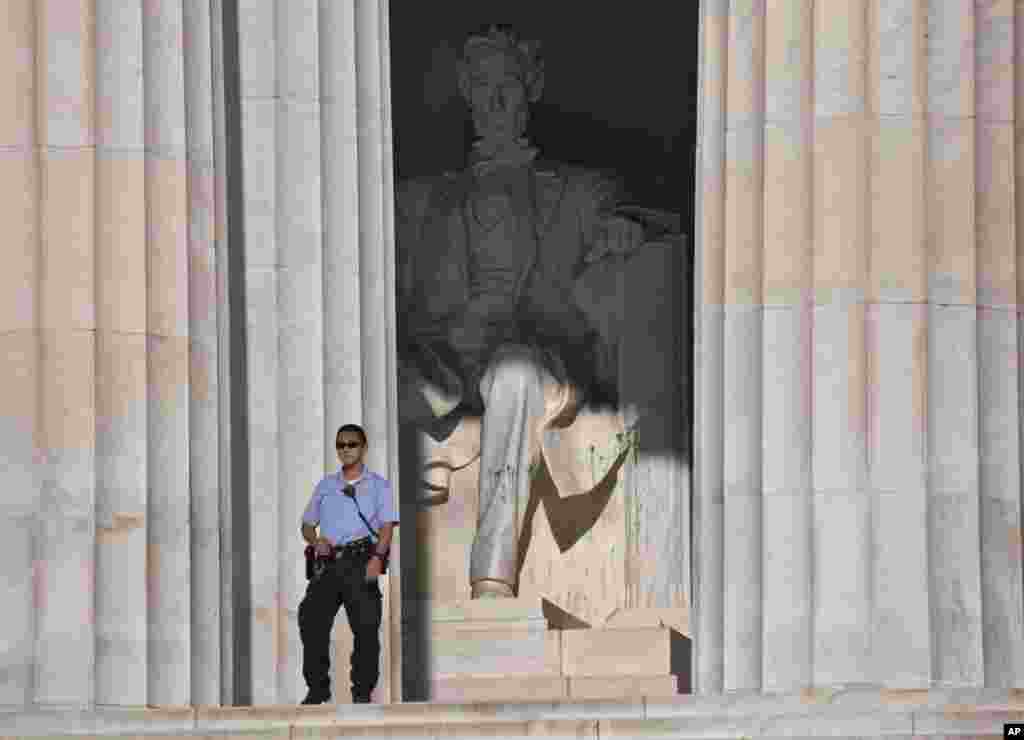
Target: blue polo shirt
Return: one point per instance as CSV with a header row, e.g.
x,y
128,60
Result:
x,y
336,513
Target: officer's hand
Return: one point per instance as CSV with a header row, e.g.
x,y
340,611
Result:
x,y
323,547
374,568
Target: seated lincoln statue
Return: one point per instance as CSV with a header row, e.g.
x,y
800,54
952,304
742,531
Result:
x,y
488,323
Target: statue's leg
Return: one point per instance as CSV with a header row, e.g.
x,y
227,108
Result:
x,y
512,388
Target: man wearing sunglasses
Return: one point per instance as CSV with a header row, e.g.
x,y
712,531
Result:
x,y
354,511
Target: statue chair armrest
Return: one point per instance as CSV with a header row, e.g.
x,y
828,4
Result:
x,y
615,291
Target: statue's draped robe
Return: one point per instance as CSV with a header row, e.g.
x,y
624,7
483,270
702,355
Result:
x,y
503,252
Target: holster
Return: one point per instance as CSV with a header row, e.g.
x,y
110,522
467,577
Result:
x,y
314,565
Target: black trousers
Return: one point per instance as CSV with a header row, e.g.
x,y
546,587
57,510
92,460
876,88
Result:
x,y
343,582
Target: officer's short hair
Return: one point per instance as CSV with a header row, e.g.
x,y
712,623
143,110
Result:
x,y
354,428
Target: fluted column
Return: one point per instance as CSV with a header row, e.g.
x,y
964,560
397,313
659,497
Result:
x,y
64,541
95,416
168,370
786,358
377,285
857,486
358,306
319,291
204,412
742,337
225,522
20,332
343,372
121,409
300,311
258,65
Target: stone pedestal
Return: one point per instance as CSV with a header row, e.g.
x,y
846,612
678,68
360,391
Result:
x,y
505,649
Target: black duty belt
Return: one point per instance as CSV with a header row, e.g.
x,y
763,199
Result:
x,y
315,565
355,547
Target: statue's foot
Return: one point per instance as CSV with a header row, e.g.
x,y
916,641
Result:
x,y
435,483
442,401
488,589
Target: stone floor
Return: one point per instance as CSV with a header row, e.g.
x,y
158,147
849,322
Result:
x,y
852,713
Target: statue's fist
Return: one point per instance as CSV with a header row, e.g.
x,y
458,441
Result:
x,y
614,235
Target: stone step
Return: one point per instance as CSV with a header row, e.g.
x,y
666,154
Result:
x,y
488,610
886,714
551,688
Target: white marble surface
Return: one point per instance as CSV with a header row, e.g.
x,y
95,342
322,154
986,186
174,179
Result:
x,y
839,713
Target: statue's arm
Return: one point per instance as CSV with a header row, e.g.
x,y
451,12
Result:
x,y
614,226
411,198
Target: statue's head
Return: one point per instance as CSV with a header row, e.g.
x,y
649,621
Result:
x,y
499,76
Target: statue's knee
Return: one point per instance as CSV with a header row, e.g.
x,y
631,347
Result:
x,y
512,367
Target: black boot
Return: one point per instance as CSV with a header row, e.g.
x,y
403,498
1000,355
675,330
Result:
x,y
360,698
317,697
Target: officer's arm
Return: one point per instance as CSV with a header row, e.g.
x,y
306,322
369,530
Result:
x,y
309,533
385,533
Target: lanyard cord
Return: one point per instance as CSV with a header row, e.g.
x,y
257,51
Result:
x,y
350,491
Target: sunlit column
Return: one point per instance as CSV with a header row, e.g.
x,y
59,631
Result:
x,y
167,213
121,407
786,368
21,464
65,542
742,346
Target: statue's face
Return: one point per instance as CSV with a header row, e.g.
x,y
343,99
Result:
x,y
497,97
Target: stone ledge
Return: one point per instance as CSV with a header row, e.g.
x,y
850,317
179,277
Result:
x,y
623,651
848,712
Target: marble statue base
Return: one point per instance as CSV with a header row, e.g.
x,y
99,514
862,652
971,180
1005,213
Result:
x,y
506,650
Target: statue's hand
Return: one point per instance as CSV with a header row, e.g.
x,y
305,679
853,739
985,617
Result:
x,y
467,334
614,235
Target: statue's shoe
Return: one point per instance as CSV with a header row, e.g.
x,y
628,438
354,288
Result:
x,y
488,589
441,459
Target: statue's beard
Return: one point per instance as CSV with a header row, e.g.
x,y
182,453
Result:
x,y
500,130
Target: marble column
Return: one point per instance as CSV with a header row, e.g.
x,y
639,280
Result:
x,y
358,307
111,347
63,541
204,411
319,291
377,286
225,522
168,556
121,408
21,322
857,485
258,88
300,311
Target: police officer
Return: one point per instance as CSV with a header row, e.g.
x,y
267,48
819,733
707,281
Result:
x,y
356,560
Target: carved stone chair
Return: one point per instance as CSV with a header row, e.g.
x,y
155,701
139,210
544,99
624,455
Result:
x,y
575,551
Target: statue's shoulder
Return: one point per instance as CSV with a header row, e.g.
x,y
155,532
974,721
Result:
x,y
416,188
578,178
415,193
